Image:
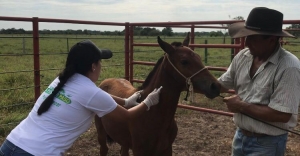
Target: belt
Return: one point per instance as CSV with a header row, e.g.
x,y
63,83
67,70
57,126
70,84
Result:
x,y
251,134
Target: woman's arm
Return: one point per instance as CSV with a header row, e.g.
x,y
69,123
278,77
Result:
x,y
129,102
118,100
120,114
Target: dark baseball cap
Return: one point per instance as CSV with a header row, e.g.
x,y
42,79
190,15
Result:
x,y
89,45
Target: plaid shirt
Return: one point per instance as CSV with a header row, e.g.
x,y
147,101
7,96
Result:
x,y
276,84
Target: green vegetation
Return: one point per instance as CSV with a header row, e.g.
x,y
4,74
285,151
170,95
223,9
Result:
x,y
137,31
17,75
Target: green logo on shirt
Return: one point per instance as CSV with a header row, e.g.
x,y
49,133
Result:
x,y
60,95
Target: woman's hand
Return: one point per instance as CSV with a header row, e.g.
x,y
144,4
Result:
x,y
131,101
152,98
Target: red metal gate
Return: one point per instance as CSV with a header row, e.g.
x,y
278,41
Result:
x,y
130,44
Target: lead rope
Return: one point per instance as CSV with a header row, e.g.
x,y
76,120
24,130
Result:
x,y
189,83
272,125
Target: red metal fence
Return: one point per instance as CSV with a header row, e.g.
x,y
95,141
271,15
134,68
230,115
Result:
x,y
130,44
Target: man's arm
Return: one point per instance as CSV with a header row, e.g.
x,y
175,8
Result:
x,y
263,112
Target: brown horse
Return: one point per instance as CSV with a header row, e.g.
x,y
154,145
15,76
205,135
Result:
x,y
153,133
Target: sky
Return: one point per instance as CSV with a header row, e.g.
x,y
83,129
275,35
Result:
x,y
122,11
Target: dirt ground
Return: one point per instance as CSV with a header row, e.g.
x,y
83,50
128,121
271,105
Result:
x,y
199,134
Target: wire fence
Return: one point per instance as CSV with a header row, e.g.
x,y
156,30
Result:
x,y
17,72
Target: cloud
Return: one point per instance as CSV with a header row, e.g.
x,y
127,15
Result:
x,y
135,11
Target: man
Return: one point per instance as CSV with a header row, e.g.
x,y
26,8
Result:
x,y
266,79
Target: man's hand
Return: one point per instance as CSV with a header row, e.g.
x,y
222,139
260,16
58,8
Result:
x,y
235,104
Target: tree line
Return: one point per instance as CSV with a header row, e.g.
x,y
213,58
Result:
x,y
296,31
137,31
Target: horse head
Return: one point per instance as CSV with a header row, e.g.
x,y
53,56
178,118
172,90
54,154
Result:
x,y
189,68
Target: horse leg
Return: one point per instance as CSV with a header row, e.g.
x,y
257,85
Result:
x,y
101,136
124,151
169,151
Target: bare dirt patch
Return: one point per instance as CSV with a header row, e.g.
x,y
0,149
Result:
x,y
199,134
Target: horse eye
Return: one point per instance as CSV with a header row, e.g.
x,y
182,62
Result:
x,y
184,62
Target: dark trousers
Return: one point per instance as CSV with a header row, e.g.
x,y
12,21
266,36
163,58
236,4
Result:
x,y
9,149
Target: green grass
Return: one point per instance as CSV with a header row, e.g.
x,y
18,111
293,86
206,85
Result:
x,y
17,76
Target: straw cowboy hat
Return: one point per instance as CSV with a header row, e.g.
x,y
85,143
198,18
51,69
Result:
x,y
261,21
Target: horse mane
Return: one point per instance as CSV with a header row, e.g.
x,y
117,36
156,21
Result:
x,y
177,44
150,75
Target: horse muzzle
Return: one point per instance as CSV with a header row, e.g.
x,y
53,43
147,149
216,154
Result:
x,y
210,89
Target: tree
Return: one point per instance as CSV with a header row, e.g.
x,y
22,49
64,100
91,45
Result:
x,y
137,30
167,31
154,32
295,32
238,18
145,31
215,33
79,32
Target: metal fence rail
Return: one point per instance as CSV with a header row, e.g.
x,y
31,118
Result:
x,y
129,44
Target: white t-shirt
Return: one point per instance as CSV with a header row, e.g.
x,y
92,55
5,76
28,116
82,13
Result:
x,y
70,115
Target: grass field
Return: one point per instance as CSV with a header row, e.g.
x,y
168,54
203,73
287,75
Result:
x,y
16,65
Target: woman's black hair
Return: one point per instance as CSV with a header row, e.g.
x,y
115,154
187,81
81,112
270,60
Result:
x,y
80,59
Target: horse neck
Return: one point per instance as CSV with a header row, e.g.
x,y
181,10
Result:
x,y
172,87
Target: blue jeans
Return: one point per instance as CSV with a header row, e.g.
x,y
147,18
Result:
x,y
258,146
9,149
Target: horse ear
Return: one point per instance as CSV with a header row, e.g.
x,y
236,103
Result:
x,y
168,48
186,41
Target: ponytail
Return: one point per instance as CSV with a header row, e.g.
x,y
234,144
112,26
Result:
x,y
63,78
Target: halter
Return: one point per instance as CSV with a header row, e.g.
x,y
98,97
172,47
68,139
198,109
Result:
x,y
187,79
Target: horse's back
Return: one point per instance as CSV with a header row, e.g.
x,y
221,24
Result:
x,y
117,86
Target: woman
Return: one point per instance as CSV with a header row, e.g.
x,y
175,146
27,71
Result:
x,y
66,108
